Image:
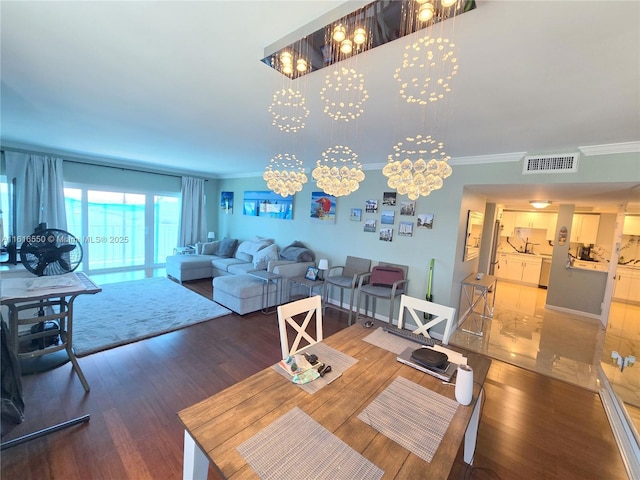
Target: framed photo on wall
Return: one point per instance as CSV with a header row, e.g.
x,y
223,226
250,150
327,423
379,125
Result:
x,y
226,202
425,220
323,207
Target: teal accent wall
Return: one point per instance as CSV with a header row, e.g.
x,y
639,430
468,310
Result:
x,y
444,243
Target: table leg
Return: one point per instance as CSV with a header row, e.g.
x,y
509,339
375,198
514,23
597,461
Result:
x,y
196,463
471,434
70,352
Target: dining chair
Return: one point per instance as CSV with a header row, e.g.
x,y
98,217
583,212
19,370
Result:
x,y
426,315
291,314
345,277
386,281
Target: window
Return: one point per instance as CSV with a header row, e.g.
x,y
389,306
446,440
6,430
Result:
x,y
122,230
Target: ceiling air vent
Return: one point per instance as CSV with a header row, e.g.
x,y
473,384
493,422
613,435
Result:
x,y
561,163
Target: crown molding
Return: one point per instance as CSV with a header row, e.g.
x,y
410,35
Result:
x,y
610,149
497,158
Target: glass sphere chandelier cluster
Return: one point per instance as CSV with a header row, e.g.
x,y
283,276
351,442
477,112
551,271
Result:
x,y
344,94
285,175
417,167
289,110
430,65
339,172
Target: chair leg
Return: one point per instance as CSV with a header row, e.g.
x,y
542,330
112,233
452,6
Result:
x,y
357,308
391,305
350,305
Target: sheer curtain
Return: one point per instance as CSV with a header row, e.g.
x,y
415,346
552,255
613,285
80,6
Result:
x,y
39,191
193,221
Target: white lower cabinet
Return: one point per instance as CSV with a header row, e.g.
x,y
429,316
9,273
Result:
x,y
627,284
519,268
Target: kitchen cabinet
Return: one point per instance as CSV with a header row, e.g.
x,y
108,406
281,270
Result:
x,y
508,224
584,228
512,220
627,284
552,220
519,268
500,270
631,225
597,266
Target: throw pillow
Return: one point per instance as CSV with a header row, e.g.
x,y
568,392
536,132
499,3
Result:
x,y
298,252
251,247
208,248
226,247
262,258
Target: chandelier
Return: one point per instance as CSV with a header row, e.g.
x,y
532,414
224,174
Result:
x,y
430,65
369,26
285,175
417,168
289,110
339,172
343,94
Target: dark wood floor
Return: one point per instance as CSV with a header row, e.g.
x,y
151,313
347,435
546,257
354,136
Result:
x,y
531,426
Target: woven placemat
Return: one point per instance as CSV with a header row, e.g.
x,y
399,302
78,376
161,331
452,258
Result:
x,y
339,362
412,416
297,447
392,343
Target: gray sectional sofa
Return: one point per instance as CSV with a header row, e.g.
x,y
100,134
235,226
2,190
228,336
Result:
x,y
230,262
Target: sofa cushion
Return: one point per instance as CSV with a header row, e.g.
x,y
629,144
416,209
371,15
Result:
x,y
298,252
208,248
247,249
224,263
241,268
262,258
226,247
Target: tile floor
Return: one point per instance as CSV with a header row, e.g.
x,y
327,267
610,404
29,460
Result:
x,y
568,347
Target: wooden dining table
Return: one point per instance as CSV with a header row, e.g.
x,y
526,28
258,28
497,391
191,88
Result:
x,y
218,425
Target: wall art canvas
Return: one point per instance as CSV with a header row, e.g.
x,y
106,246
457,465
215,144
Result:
x,y
386,234
370,225
408,208
323,207
387,217
405,229
356,214
226,202
389,199
267,204
425,220
371,206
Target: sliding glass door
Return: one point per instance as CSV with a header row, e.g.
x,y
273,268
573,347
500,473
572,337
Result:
x,y
122,230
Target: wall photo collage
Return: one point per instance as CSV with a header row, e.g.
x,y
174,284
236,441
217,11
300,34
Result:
x,y
388,217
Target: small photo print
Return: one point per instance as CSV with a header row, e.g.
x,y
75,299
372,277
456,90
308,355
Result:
x,y
370,225
389,199
371,206
408,209
312,274
387,217
386,234
356,214
405,229
425,220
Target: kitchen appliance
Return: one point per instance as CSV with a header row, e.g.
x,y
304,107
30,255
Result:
x,y
585,252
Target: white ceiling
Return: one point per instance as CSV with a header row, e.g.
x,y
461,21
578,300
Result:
x,y
179,86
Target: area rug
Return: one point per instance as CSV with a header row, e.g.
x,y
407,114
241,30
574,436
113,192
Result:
x,y
129,311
